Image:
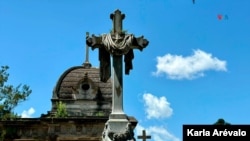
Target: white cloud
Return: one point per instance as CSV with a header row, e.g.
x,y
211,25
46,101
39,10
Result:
x,y
156,107
189,67
28,114
157,133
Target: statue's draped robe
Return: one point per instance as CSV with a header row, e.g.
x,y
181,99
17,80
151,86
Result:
x,y
128,61
105,69
105,63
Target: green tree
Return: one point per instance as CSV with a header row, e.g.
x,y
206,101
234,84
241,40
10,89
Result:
x,y
221,121
10,96
61,110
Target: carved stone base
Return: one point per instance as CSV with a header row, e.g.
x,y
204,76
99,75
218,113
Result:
x,y
118,116
118,130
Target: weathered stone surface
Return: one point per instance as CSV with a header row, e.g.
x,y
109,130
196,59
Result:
x,y
116,45
57,128
82,91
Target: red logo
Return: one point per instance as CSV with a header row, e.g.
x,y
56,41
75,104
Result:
x,y
219,16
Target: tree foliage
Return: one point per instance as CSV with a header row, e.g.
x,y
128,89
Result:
x,y
10,96
61,110
221,121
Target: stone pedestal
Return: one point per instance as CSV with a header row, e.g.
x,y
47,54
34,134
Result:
x,y
118,130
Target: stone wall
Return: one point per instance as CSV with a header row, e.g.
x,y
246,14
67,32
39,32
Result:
x,y
54,129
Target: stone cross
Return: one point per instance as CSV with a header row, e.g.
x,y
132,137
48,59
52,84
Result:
x,y
117,44
144,136
86,64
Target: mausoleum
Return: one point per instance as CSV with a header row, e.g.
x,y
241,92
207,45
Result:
x,y
89,98
88,103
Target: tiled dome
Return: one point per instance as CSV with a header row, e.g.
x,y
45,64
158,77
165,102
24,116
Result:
x,y
81,90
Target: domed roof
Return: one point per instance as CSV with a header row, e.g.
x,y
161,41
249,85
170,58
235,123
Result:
x,y
75,80
82,91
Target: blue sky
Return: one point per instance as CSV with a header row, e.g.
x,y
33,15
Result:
x,y
194,70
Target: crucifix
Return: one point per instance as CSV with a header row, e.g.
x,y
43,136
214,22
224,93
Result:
x,y
118,45
144,136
